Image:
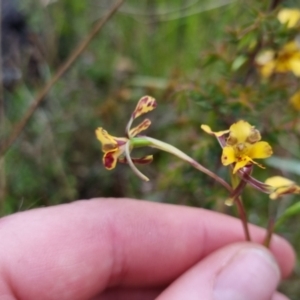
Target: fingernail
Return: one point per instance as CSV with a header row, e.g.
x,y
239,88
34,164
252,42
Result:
x,y
252,273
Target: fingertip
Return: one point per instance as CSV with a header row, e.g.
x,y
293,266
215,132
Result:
x,y
239,271
279,296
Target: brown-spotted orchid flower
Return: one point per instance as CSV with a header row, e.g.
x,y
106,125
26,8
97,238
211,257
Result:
x,y
242,145
118,149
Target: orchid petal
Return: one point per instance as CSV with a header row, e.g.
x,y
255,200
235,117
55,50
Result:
x,y
144,105
240,131
281,186
260,150
142,160
110,159
279,181
141,127
107,141
245,160
208,130
228,156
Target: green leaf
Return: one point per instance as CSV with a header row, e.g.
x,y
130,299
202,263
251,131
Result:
x,y
238,62
289,212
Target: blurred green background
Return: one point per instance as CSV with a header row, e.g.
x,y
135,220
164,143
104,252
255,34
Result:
x,y
197,58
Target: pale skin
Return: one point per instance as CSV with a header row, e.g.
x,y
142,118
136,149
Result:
x,y
136,250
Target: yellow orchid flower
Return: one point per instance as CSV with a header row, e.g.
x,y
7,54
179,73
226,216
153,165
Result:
x,y
118,149
241,146
285,60
280,186
289,17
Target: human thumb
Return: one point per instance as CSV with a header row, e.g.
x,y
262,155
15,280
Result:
x,y
242,271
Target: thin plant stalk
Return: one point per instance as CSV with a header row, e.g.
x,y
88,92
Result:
x,y
270,231
271,223
238,185
173,150
243,217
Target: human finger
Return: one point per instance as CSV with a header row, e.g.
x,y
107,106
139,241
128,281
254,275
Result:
x,y
77,250
238,271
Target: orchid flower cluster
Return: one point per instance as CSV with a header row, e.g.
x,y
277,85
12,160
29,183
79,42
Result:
x,y
287,58
241,146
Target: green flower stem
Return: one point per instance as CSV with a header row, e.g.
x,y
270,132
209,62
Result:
x,y
173,150
137,142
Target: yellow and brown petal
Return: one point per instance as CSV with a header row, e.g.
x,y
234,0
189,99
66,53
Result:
x,y
113,147
141,127
260,150
109,142
144,105
280,186
142,160
241,132
208,130
110,159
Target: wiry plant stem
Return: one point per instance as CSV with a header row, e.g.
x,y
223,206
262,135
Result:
x,y
173,150
270,231
243,217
